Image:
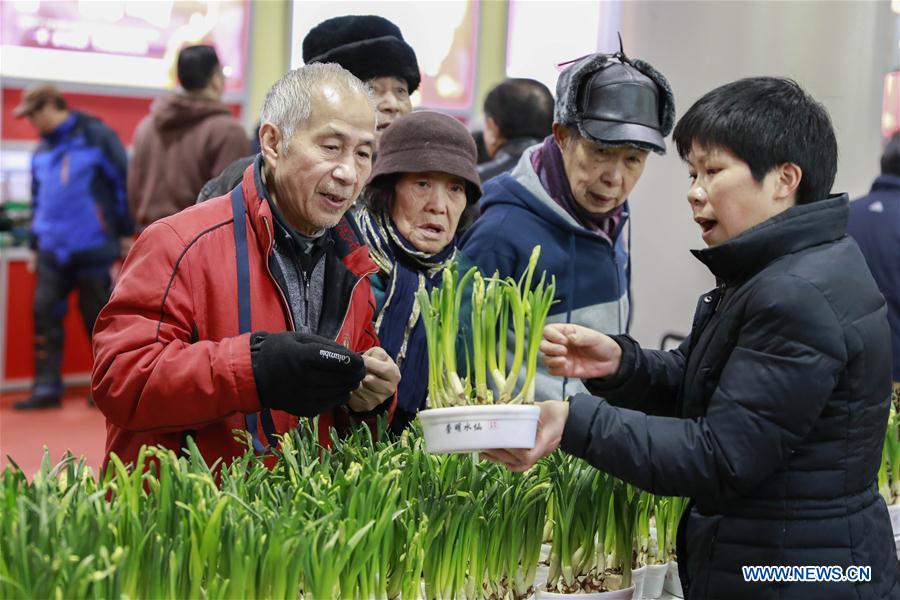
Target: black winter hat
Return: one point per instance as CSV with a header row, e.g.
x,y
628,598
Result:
x,y
366,45
616,101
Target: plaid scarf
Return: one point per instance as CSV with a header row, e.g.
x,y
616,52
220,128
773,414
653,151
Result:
x,y
400,330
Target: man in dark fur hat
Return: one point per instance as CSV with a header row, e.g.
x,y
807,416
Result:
x,y
569,194
373,49
370,47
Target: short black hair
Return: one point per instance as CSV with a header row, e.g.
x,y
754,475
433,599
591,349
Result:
x,y
196,66
520,108
890,158
766,122
478,136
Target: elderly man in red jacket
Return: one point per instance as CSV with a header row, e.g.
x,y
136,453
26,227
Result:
x,y
254,309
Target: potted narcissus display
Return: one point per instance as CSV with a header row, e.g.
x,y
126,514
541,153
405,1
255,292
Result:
x,y
593,530
362,518
484,407
661,544
889,471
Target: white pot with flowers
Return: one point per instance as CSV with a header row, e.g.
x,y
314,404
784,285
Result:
x,y
483,409
593,531
661,552
889,472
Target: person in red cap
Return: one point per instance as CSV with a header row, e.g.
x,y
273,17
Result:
x,y
80,225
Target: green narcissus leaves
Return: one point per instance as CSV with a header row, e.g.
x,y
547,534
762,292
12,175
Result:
x,y
365,518
492,304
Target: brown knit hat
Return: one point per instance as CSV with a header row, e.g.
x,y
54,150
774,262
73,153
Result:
x,y
428,141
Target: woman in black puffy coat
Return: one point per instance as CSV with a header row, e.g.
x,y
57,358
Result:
x,y
771,415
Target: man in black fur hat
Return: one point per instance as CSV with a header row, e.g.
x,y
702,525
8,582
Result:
x,y
373,49
370,47
569,195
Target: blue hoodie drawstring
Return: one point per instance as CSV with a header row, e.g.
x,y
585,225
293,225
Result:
x,y
571,295
628,282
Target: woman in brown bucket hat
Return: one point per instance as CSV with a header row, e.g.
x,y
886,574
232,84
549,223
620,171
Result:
x,y
422,193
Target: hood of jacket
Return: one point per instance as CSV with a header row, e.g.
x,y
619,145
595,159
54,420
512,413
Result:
x,y
522,187
176,110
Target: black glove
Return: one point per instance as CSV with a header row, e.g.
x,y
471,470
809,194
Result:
x,y
303,374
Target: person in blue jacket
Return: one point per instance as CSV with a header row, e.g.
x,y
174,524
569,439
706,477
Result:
x,y
875,225
569,194
80,225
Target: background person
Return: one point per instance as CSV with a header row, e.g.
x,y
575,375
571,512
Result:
x,y
771,415
423,190
518,113
189,137
875,225
80,226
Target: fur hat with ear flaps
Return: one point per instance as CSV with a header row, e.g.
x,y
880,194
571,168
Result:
x,y
616,101
366,45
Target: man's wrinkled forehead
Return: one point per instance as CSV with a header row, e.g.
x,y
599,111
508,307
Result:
x,y
334,103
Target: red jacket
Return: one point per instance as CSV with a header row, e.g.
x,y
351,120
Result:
x,y
168,360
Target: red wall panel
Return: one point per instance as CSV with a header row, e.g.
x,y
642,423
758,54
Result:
x,y
122,113
19,349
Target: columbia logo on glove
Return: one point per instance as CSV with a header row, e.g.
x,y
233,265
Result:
x,y
302,373
335,356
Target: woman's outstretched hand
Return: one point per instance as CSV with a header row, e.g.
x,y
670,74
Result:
x,y
551,424
576,351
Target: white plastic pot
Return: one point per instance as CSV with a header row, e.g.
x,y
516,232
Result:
x,y
485,427
894,512
637,580
654,578
545,552
541,575
626,594
673,581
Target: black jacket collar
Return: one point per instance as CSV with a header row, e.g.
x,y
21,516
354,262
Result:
x,y
797,228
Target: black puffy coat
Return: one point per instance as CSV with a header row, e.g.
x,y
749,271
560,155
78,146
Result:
x,y
770,416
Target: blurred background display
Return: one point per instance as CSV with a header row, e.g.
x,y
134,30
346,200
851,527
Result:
x,y
444,35
589,26
117,42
